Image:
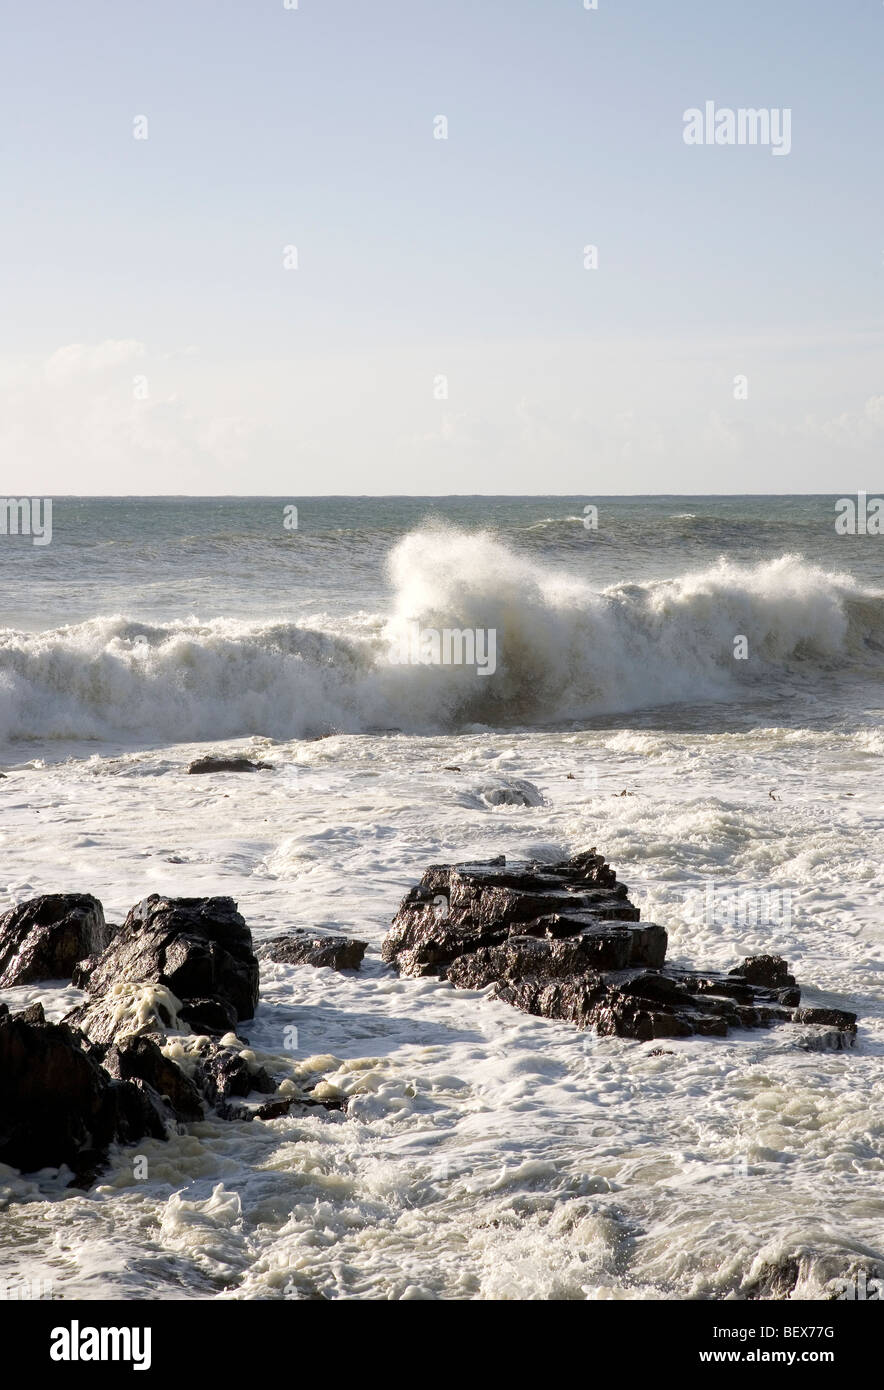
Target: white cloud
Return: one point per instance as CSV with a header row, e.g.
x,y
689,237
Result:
x,y
576,416
79,359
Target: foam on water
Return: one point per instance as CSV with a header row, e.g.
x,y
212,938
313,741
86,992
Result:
x,y
484,1153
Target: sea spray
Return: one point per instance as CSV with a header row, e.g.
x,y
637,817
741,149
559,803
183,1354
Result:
x,y
563,650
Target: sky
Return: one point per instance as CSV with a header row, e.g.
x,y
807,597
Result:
x,y
237,257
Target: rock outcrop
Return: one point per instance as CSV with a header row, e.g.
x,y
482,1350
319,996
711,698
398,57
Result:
x,y
199,949
151,1046
563,941
59,1106
301,947
44,938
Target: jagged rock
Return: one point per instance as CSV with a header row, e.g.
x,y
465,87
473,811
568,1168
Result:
x,y
199,948
563,941
82,971
223,1072
211,763
210,1016
301,947
468,906
34,1013
140,1059
828,1030
43,939
58,1105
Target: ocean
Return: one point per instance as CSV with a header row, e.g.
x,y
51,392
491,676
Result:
x,y
693,685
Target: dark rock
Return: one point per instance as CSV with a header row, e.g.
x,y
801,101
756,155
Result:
x,y
209,763
771,971
199,948
469,906
563,941
210,1016
140,1059
273,1109
44,938
59,1106
32,1014
832,1018
223,1072
301,947
82,971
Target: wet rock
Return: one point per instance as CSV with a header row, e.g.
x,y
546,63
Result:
x,y
771,971
506,791
223,1073
126,1010
564,941
198,948
211,763
209,1016
140,1059
274,1109
831,1018
301,947
465,907
59,1106
43,939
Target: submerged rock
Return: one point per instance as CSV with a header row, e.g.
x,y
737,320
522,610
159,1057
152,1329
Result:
x,y
211,763
563,941
44,938
301,947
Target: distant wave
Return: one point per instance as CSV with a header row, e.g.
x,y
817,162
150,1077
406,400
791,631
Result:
x,y
564,651
555,521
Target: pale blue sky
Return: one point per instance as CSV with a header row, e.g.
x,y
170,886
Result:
x,y
420,257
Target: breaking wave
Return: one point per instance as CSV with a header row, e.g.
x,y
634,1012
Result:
x,y
563,651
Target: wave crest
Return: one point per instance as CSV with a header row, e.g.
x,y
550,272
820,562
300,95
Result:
x,y
564,651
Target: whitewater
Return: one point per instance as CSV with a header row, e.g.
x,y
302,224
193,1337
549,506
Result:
x,y
483,1154
567,651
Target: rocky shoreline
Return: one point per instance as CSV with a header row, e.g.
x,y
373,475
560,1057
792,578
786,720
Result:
x,y
156,1044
